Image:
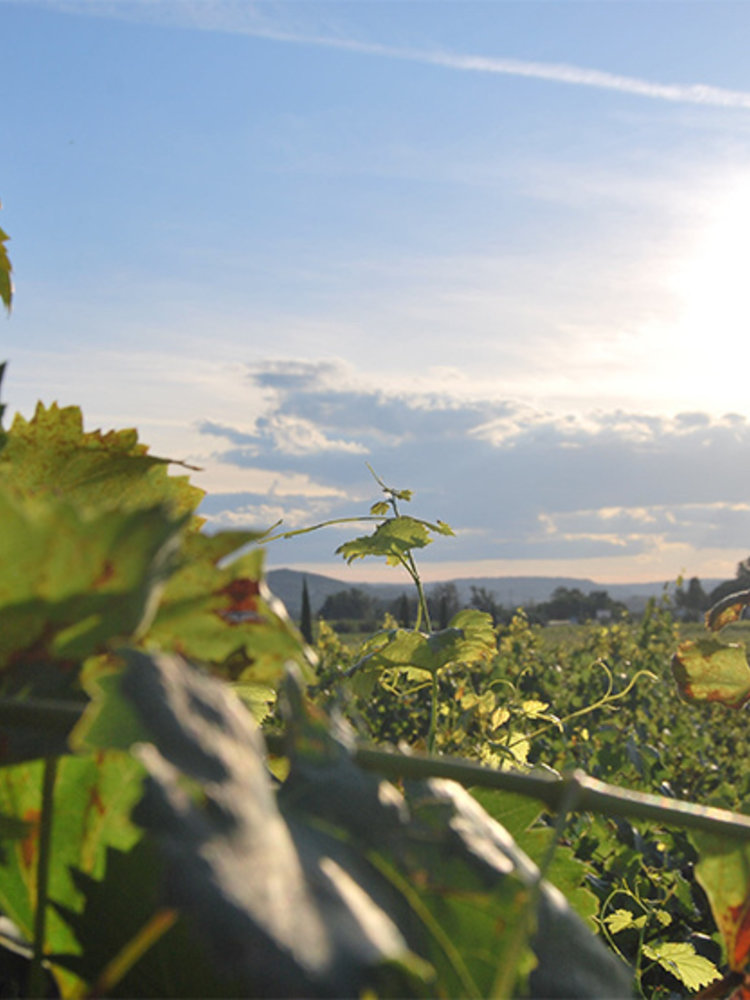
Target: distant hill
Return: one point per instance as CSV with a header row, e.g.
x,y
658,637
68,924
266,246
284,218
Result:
x,y
510,591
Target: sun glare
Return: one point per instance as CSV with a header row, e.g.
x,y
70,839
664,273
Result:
x,y
713,295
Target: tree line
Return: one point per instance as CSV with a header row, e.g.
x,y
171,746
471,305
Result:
x,y
356,610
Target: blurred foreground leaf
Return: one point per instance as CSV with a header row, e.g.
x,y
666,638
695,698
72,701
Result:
x,y
342,883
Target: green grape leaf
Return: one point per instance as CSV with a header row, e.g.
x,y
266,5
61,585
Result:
x,y
728,610
69,586
109,721
723,870
469,638
285,909
680,958
68,583
176,964
93,797
223,614
709,670
381,507
619,920
393,540
6,284
51,455
258,699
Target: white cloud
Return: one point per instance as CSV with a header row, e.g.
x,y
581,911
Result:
x,y
517,483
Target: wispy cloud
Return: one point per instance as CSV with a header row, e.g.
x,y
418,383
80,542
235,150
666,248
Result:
x,y
580,76
249,19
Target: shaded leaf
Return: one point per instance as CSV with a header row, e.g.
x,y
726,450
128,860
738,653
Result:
x,y
175,965
69,585
286,909
92,802
727,610
681,960
709,670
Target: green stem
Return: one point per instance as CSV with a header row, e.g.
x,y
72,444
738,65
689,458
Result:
x,y
44,857
433,715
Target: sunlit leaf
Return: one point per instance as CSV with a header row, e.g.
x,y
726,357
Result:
x,y
51,455
392,539
728,610
619,920
680,958
709,670
6,284
222,613
723,870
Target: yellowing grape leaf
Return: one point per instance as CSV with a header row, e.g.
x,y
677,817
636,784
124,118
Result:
x,y
709,670
728,610
724,873
51,455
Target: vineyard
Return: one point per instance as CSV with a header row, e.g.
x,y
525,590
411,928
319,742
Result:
x,y
195,802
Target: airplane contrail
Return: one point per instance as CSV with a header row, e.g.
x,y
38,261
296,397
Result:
x,y
220,17
692,93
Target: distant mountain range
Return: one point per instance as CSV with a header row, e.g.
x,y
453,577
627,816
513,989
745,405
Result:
x,y
509,591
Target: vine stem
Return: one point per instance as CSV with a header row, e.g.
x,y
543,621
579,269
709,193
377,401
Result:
x,y
44,856
591,794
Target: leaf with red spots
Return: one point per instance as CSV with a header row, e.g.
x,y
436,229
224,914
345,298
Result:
x,y
709,670
221,612
92,802
724,873
728,610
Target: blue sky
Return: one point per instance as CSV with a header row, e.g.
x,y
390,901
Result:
x,y
497,250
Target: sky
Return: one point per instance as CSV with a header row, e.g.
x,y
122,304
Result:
x,y
497,251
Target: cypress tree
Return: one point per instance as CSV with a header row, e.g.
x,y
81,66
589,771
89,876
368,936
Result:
x,y
305,625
